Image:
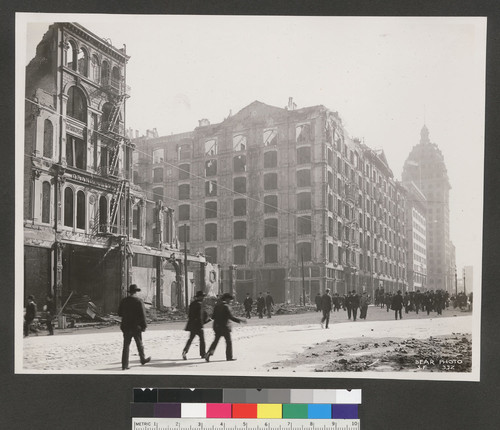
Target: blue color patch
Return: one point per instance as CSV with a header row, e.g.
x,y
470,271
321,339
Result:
x,y
319,411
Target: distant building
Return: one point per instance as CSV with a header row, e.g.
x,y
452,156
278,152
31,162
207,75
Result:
x,y
88,231
269,190
426,168
468,278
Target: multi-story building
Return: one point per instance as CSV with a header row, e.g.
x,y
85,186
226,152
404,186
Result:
x,y
416,237
425,167
468,278
283,200
86,227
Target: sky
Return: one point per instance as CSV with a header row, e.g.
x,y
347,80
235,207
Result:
x,y
386,77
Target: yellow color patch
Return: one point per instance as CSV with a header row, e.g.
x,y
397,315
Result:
x,y
269,410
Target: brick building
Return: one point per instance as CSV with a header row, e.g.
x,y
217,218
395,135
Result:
x,y
283,200
88,231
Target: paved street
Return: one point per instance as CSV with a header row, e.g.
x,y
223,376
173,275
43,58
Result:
x,y
256,345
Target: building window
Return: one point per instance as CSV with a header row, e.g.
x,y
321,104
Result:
x,y
184,171
270,137
240,163
70,55
76,153
184,192
68,207
330,252
46,202
184,212
94,64
211,188
48,138
330,202
240,230
116,78
80,210
239,142
83,62
210,232
304,155
211,147
270,159
76,106
271,227
211,210
304,251
210,168
271,181
240,207
302,133
303,201
158,175
103,214
211,255
240,185
303,178
136,222
270,204
184,233
240,255
105,73
330,226
329,155
271,253
157,194
304,225
184,152
158,156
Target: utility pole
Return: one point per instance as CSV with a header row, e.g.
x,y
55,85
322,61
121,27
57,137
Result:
x,y
303,282
464,281
456,283
186,293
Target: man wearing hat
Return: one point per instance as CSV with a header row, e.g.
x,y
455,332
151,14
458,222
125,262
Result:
x,y
133,315
221,316
30,315
196,318
248,305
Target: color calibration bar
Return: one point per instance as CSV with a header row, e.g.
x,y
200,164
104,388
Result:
x,y
257,424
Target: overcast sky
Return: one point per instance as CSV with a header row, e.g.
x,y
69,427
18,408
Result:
x,y
385,76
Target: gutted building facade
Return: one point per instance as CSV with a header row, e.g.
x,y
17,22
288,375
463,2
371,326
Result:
x,y
88,231
283,200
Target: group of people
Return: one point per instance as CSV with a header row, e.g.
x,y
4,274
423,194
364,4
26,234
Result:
x,y
350,302
413,301
31,314
264,304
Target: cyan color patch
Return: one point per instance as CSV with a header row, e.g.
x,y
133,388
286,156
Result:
x,y
319,411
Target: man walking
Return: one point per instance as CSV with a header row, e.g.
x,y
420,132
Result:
x,y
30,315
397,305
317,300
247,303
269,304
363,301
354,305
326,307
221,316
133,323
196,318
261,304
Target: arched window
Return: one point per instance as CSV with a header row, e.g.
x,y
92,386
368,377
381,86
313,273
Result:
x,y
103,214
80,210
105,73
68,207
70,55
48,138
46,202
136,223
83,62
115,78
95,68
77,104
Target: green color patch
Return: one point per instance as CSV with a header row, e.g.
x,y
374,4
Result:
x,y
296,410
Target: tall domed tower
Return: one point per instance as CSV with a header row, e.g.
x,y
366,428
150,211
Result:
x,y
426,168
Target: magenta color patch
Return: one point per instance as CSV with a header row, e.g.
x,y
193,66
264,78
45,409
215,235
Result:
x,y
218,410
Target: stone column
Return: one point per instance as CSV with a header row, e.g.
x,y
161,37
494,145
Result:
x,y
58,248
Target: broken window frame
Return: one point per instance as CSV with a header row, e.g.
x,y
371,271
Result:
x,y
211,167
303,133
210,188
211,147
157,158
239,142
240,163
270,137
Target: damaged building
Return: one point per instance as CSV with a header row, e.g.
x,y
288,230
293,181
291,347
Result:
x,y
88,230
283,200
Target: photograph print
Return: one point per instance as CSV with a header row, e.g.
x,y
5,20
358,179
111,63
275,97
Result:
x,y
249,195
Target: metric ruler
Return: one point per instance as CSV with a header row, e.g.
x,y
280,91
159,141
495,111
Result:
x,y
241,424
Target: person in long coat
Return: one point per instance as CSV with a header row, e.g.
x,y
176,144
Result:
x,y
326,307
269,304
363,301
354,305
30,315
197,316
221,316
317,300
261,304
397,305
247,303
133,323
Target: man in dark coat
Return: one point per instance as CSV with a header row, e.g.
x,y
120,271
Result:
x,y
261,304
196,318
30,315
326,307
269,304
133,323
354,305
50,309
406,302
397,305
221,316
348,305
247,303
317,300
363,301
